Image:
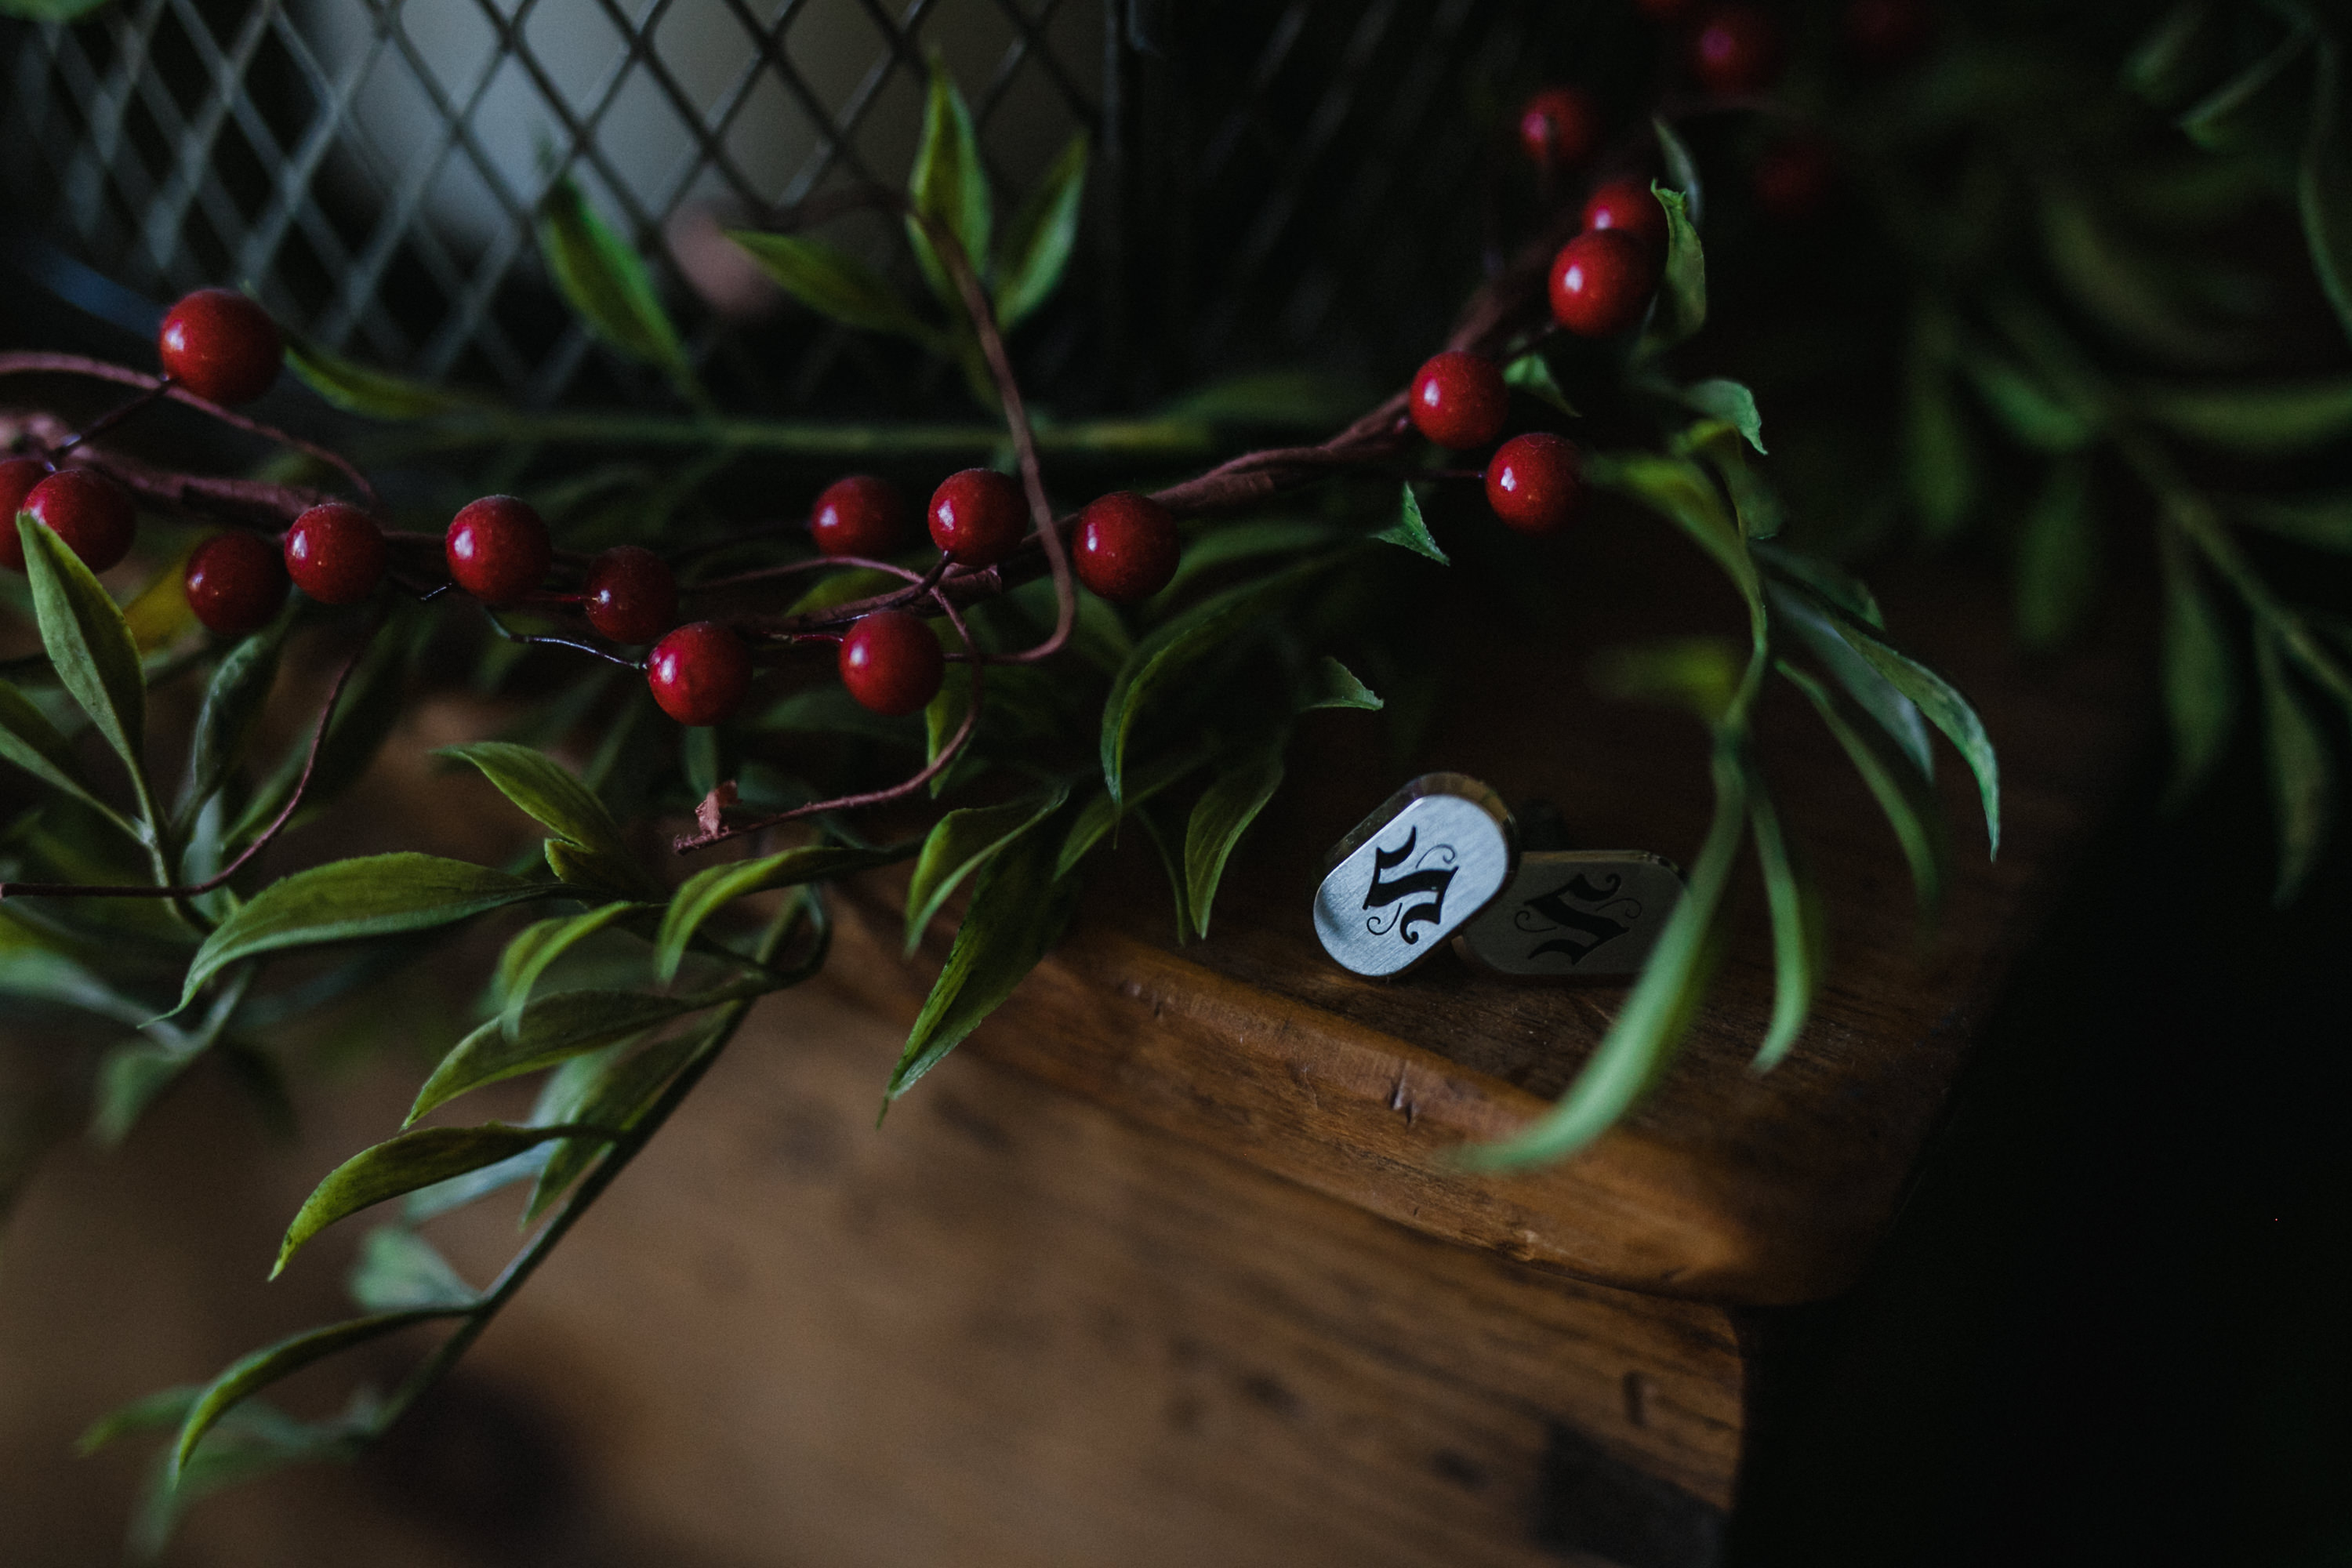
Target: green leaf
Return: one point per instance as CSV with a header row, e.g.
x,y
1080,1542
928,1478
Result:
x,y
446,1198
1037,249
1634,1055
950,185
1901,790
2260,421
1103,811
1282,399
1223,814
1237,542
1895,714
1682,298
1410,531
1945,708
550,1029
1330,684
166,1407
962,842
1531,373
2302,783
2031,413
1018,910
2200,682
2322,521
378,895
92,650
2165,67
28,740
607,283
706,892
373,394
2323,184
1824,580
251,1440
2058,557
1682,169
399,1270
1753,500
835,285
1699,673
1679,489
234,699
131,1077
547,792
831,710
2229,117
2125,288
257,1369
1939,467
1179,644
1170,867
616,1092
539,944
403,1164
1797,926
943,716
1729,402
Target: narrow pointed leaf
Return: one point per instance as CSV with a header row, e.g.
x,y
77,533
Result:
x,y
2201,680
166,1407
607,283
1531,373
551,1029
1640,1043
96,659
2030,412
1330,684
1682,297
399,1270
256,1371
539,944
2323,183
29,741
472,1186
2229,118
2058,558
548,791
2164,67
1178,645
1731,403
376,394
1797,928
1682,169
1945,708
1940,465
2302,777
835,284
1902,793
375,896
616,1095
704,893
961,842
2260,420
950,185
1410,531
1102,813
1037,249
403,1164
1895,714
1018,910
232,707
1223,814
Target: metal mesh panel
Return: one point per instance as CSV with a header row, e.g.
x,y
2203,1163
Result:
x,y
1273,181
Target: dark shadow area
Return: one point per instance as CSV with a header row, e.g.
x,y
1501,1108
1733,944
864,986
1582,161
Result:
x,y
2109,1326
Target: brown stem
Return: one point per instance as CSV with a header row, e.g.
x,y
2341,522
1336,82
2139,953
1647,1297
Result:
x,y
716,832
110,419
293,803
123,376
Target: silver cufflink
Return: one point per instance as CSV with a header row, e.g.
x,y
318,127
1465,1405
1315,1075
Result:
x,y
1440,860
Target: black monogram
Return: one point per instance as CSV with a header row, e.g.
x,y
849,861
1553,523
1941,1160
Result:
x,y
1423,879
1584,929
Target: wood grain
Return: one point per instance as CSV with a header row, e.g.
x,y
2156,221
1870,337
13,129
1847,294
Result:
x,y
1726,1185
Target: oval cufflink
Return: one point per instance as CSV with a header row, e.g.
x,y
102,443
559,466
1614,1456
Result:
x,y
1440,860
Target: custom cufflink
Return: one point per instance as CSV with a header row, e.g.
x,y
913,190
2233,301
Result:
x,y
1440,860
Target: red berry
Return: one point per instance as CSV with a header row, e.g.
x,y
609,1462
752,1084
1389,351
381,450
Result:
x,y
335,553
632,596
1602,282
891,662
220,346
18,477
1559,127
1887,33
700,673
499,549
1459,400
1126,547
978,516
1533,483
90,513
1736,50
236,582
860,515
1629,207
1795,179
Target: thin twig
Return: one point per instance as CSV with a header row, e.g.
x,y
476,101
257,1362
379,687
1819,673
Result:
x,y
293,803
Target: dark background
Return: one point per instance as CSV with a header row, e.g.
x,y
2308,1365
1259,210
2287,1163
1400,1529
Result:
x,y
2110,1324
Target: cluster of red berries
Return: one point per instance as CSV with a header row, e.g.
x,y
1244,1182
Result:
x,y
1459,401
